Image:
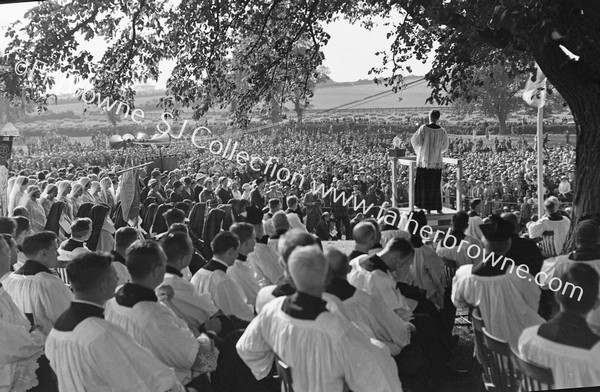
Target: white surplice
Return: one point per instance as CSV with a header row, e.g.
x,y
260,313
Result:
x,y
385,324
572,367
19,349
43,295
155,327
98,356
265,261
193,308
247,278
226,294
322,353
382,285
508,303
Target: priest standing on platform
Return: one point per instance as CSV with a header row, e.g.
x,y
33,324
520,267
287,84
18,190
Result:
x,y
430,142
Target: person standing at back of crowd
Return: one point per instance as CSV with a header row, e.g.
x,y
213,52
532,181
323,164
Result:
x,y
429,142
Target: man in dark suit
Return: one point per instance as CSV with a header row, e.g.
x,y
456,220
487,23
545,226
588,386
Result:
x,y
340,211
256,196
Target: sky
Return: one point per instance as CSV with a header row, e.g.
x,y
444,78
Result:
x,y
349,55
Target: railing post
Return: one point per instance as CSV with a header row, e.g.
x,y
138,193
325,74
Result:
x,y
394,182
459,201
411,186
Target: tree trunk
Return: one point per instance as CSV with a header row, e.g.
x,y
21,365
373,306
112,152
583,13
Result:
x,y
502,122
578,86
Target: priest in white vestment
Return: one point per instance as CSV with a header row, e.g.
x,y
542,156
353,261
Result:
x,y
241,271
566,344
287,243
364,308
373,274
40,294
263,259
212,278
20,347
90,354
507,296
324,351
136,309
195,309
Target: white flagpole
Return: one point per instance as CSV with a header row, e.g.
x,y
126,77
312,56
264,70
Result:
x,y
540,159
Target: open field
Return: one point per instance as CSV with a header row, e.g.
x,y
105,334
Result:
x,y
377,110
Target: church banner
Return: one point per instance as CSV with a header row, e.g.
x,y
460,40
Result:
x,y
5,150
3,190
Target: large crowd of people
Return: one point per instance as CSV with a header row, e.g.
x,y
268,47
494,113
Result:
x,y
220,277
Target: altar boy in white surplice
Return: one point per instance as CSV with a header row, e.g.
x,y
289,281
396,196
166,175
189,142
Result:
x,y
21,346
89,353
566,344
507,296
137,310
195,309
322,348
40,294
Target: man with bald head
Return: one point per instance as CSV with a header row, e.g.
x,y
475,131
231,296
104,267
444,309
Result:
x,y
287,243
365,237
323,350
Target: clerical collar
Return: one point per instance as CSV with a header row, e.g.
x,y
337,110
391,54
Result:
x,y
303,306
130,294
32,267
284,288
341,288
118,257
585,254
373,263
215,265
80,301
174,271
242,257
569,329
76,313
355,253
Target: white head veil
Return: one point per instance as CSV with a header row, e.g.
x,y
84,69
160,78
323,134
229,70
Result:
x,y
16,193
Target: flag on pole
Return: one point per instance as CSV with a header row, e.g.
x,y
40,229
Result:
x,y
130,194
535,90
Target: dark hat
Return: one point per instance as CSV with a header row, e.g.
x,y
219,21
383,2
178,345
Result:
x,y
498,230
254,215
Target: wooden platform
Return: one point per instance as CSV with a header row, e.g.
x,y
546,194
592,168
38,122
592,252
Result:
x,y
436,221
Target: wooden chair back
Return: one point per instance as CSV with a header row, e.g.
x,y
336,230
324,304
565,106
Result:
x,y
503,373
285,373
531,376
546,245
481,352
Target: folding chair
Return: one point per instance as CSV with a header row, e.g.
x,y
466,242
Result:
x,y
531,376
285,373
481,352
503,373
